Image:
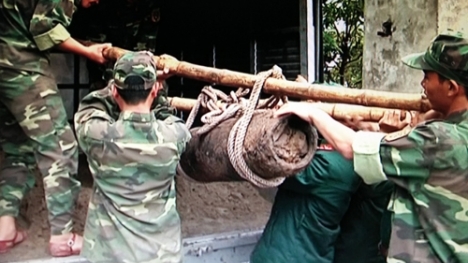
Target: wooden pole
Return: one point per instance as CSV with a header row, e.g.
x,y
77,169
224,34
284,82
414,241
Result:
x,y
336,110
323,93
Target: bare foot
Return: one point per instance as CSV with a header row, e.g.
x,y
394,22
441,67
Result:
x,y
7,227
65,245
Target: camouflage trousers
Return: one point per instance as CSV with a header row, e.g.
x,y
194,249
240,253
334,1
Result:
x,y
34,133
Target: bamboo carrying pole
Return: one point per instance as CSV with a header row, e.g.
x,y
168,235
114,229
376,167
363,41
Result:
x,y
336,110
323,93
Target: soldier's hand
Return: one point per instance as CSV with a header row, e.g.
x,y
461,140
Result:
x,y
163,74
394,120
95,52
356,123
301,109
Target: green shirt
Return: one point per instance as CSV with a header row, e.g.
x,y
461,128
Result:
x,y
363,225
325,214
307,212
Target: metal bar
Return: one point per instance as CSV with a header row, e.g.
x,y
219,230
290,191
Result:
x,y
307,40
214,56
303,37
76,80
318,45
73,86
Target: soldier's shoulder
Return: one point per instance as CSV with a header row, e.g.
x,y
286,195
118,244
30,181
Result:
x,y
433,132
174,126
398,134
419,135
97,95
171,120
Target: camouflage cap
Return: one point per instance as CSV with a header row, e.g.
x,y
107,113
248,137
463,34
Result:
x,y
135,64
447,55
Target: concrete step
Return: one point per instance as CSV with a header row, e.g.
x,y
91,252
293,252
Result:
x,y
230,247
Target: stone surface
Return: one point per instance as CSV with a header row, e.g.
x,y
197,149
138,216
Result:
x,y
452,15
414,24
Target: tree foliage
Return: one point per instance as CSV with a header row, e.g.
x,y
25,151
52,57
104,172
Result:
x,y
343,39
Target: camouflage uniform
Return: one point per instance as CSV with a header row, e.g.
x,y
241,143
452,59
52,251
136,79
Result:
x,y
131,25
429,165
132,214
33,124
128,24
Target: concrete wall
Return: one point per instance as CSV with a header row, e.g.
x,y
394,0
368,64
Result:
x,y
453,14
415,24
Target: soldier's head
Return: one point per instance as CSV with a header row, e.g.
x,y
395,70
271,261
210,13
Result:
x,y
88,3
445,66
134,79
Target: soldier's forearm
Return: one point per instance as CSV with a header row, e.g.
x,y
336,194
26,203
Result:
x,y
337,134
73,46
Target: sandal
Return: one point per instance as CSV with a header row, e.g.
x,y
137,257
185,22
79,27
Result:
x,y
6,245
59,250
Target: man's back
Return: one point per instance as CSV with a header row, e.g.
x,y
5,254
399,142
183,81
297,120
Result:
x,y
132,215
306,215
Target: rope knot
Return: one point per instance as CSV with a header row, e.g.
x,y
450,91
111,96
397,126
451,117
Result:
x,y
277,72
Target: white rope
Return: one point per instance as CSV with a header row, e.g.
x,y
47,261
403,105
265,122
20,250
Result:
x,y
238,132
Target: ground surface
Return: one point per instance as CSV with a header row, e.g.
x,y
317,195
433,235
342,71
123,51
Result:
x,y
204,208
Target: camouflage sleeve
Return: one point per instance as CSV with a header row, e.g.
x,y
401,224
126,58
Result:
x,y
92,120
405,154
103,100
410,153
49,21
183,134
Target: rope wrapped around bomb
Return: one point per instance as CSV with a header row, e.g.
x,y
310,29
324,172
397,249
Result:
x,y
241,140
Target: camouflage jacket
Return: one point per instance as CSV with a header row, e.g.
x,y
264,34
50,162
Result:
x,y
429,165
29,28
132,214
